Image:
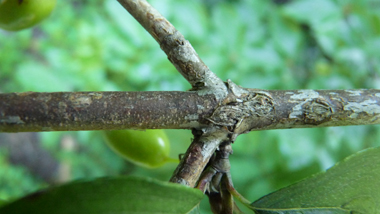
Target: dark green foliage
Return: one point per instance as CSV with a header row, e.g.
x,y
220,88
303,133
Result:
x,y
351,186
109,195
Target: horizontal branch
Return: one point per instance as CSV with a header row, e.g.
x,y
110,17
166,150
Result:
x,y
322,108
64,111
250,109
264,109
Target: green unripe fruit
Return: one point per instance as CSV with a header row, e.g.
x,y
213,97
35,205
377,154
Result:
x,y
20,14
148,148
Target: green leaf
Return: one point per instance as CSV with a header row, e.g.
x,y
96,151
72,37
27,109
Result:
x,y
109,195
303,211
351,186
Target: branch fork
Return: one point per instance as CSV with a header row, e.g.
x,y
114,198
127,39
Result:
x,y
216,111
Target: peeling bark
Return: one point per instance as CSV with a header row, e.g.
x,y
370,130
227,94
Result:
x,y
253,109
322,108
245,110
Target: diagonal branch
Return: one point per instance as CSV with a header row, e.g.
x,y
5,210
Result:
x,y
179,51
198,155
183,56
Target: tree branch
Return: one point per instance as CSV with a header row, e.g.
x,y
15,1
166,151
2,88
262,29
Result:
x,y
198,155
212,121
64,111
242,111
179,51
253,109
183,56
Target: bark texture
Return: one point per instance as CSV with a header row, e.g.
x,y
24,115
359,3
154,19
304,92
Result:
x,y
63,111
179,51
253,109
321,108
244,110
198,155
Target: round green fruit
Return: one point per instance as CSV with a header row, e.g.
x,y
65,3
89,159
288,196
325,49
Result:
x,y
20,14
148,148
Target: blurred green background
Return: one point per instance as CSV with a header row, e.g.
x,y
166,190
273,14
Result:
x,y
93,45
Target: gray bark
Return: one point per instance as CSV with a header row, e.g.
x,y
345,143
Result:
x,y
64,111
179,51
244,110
